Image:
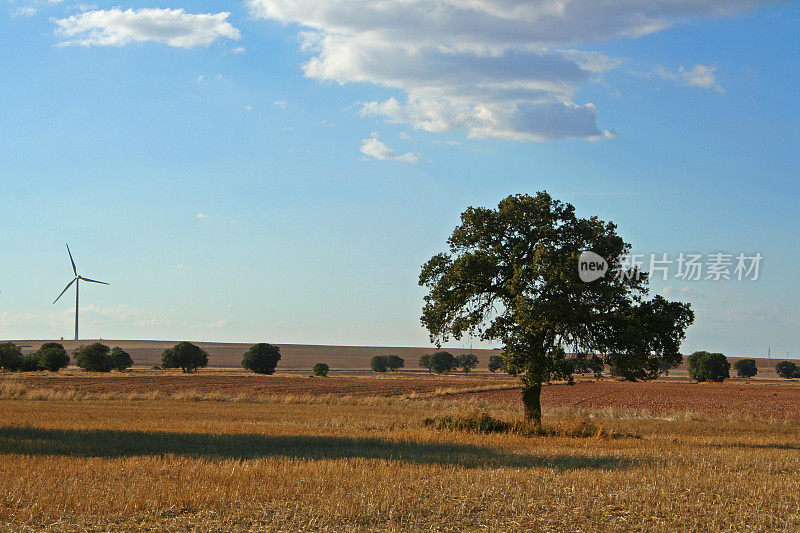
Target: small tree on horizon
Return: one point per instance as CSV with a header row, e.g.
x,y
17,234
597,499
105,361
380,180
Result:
x,y
395,362
185,356
93,358
52,356
11,357
425,362
262,358
496,362
787,370
379,364
320,369
443,362
467,362
746,368
706,366
120,359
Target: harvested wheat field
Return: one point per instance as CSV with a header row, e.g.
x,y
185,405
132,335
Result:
x,y
99,453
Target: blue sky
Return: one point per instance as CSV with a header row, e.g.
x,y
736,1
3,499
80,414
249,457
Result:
x,y
278,171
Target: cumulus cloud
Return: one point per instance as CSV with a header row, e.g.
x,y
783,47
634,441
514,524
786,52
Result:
x,y
492,68
698,76
376,149
201,216
173,27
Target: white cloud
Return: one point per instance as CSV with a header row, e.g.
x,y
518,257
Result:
x,y
201,216
492,68
281,104
173,27
25,11
239,50
248,107
698,76
374,148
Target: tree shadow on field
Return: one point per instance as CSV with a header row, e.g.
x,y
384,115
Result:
x,y
113,443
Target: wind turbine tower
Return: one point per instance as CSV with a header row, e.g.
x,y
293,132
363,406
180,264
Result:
x,y
76,280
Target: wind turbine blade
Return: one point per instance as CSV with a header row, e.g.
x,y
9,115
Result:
x,y
93,280
75,270
65,289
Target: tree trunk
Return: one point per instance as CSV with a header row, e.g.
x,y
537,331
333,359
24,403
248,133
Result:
x,y
532,399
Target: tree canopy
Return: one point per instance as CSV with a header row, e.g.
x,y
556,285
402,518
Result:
x,y
496,362
52,356
94,358
746,368
511,275
262,358
120,359
185,356
467,362
379,364
11,358
395,362
706,366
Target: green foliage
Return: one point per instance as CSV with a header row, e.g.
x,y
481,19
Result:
x,y
443,362
467,362
11,358
496,362
30,363
379,363
93,358
52,356
588,365
425,362
395,362
185,356
511,275
321,369
787,370
705,366
120,359
262,358
745,368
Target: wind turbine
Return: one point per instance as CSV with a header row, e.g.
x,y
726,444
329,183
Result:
x,y
76,280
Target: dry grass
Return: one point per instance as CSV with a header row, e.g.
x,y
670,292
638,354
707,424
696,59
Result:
x,y
353,463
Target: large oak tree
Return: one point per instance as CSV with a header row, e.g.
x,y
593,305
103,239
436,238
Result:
x,y
511,275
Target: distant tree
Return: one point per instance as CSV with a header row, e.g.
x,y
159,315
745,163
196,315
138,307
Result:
x,y
262,358
11,358
425,362
321,369
30,363
787,370
496,362
705,366
395,362
52,356
595,365
185,356
467,362
511,275
745,368
120,359
379,363
93,358
443,362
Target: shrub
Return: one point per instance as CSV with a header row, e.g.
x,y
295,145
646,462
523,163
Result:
x,y
52,356
745,368
10,356
467,362
379,363
262,358
394,362
787,370
94,358
497,362
425,362
185,356
321,369
705,366
443,362
30,363
120,359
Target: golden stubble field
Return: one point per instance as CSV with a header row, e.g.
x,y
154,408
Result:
x,y
125,461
